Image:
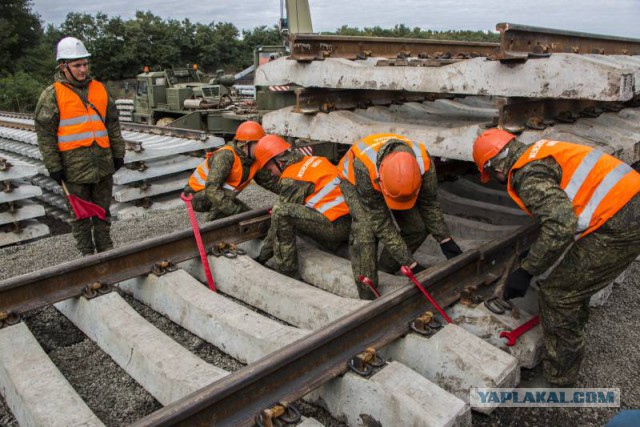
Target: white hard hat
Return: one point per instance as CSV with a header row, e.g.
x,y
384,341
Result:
x,y
71,48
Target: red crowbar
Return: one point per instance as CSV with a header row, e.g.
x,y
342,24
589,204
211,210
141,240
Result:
x,y
512,336
364,279
407,272
196,233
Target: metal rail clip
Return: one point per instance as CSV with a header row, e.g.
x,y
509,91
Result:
x,y
163,267
364,362
94,289
228,250
426,324
279,414
8,319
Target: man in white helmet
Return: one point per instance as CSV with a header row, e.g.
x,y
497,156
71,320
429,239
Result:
x,y
80,141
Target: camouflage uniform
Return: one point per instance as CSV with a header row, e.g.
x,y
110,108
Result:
x,y
218,201
373,221
88,171
290,216
589,264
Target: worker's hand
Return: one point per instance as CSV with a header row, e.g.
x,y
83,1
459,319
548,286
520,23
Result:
x,y
416,268
57,176
450,248
117,163
517,284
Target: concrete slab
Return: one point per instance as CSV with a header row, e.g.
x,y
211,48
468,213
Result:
x,y
292,301
23,191
483,211
35,391
174,164
17,170
333,273
394,396
159,146
234,329
456,360
167,184
487,325
163,367
600,298
26,210
310,422
163,202
32,229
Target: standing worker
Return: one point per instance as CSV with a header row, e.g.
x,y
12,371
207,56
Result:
x,y
388,178
310,203
588,207
217,181
80,141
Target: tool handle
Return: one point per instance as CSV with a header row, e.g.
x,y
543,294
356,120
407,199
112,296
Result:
x,y
198,237
529,324
364,279
407,272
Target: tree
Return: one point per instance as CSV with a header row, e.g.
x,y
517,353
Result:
x,y
20,28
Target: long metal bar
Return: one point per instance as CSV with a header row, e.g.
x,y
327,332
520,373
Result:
x,y
40,288
521,40
307,47
304,365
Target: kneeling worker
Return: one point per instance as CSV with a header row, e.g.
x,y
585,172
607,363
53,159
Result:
x,y
226,172
387,178
588,207
310,203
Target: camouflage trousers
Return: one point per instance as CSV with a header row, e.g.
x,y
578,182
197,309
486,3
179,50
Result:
x,y
201,203
92,234
363,243
589,265
288,219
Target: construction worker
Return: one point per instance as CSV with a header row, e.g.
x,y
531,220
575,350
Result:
x,y
310,203
388,178
588,207
217,181
79,138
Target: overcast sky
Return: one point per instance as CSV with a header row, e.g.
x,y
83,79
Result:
x,y
613,17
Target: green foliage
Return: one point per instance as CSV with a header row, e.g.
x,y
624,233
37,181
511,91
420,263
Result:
x,y
20,92
20,28
402,30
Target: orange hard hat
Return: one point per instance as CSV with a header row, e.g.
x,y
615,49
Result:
x,y
269,147
487,146
249,131
400,180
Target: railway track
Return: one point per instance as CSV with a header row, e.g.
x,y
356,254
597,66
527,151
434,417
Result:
x,y
324,327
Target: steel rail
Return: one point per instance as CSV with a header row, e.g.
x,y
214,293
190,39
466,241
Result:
x,y
308,47
518,41
43,287
295,370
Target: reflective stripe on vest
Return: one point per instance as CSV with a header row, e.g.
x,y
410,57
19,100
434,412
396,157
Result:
x,y
80,126
326,197
198,178
366,150
597,184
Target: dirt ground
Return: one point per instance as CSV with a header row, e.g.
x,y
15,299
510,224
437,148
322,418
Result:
x,y
612,351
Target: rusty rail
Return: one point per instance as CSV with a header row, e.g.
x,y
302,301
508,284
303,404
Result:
x,y
520,41
308,47
40,288
295,370
517,42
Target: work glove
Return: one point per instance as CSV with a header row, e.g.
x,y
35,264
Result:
x,y
117,163
450,249
57,176
517,284
418,269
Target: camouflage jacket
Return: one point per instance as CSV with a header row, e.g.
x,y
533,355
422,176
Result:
x,y
84,165
220,165
379,215
538,185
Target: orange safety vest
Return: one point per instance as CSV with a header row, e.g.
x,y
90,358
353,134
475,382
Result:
x,y
326,197
366,150
597,184
198,178
79,125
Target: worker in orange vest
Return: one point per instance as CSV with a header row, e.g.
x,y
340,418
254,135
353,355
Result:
x,y
217,181
79,137
388,179
588,207
310,203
